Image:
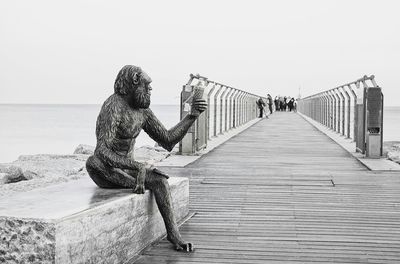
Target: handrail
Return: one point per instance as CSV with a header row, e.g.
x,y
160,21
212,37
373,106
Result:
x,y
228,108
332,108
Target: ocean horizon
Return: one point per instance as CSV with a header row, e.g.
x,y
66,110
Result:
x,y
59,128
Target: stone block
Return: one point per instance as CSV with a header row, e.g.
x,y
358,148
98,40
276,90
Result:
x,y
77,222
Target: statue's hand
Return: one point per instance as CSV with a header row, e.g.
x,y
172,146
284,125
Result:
x,y
198,107
140,179
139,189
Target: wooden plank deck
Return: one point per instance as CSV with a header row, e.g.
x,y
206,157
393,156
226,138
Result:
x,y
282,192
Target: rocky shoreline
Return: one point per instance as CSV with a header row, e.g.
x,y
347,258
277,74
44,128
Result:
x,y
29,172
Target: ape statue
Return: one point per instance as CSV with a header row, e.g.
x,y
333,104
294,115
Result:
x,y
122,116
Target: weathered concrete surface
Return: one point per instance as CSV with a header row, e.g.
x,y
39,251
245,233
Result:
x,y
77,222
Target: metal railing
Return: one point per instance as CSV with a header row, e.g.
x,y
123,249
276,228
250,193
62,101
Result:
x,y
353,111
228,108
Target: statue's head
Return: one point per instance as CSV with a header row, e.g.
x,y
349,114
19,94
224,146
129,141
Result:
x,y
134,84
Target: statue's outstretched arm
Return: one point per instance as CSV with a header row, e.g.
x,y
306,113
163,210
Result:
x,y
166,138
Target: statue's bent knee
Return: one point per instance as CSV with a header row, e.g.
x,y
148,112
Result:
x,y
155,180
97,171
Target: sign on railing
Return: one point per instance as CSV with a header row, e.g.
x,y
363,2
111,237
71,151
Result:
x,y
228,108
351,110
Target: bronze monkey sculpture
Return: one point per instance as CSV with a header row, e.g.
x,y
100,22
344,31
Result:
x,y
123,115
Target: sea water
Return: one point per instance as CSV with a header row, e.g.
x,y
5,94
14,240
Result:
x,y
391,123
59,129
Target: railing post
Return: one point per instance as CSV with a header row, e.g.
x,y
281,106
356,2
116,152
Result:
x,y
337,110
234,121
227,99
254,107
347,110
216,108
360,107
241,105
326,105
373,119
321,111
341,111
355,112
331,110
249,107
241,108
209,110
232,108
315,107
222,115
337,104
312,107
320,108
246,109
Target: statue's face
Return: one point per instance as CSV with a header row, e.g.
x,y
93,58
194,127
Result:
x,y
141,95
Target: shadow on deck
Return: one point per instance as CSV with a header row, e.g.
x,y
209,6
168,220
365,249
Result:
x,y
283,192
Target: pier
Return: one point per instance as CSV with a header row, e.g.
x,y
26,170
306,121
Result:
x,y
283,192
305,186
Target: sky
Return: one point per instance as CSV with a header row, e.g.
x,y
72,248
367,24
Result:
x,y
70,52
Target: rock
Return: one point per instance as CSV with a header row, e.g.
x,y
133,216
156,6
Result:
x,y
40,171
3,177
392,150
14,174
394,156
84,149
150,155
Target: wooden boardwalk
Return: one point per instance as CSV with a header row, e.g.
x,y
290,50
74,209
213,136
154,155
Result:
x,y
282,192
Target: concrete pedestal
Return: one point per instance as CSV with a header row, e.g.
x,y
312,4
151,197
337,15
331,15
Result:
x,y
77,222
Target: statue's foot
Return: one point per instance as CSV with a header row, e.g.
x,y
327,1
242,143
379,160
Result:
x,y
181,245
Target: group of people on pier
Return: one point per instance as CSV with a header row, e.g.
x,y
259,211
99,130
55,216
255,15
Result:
x,y
280,103
285,103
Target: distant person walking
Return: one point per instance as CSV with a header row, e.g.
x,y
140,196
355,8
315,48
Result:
x,y
291,104
270,103
276,101
281,103
261,105
284,103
